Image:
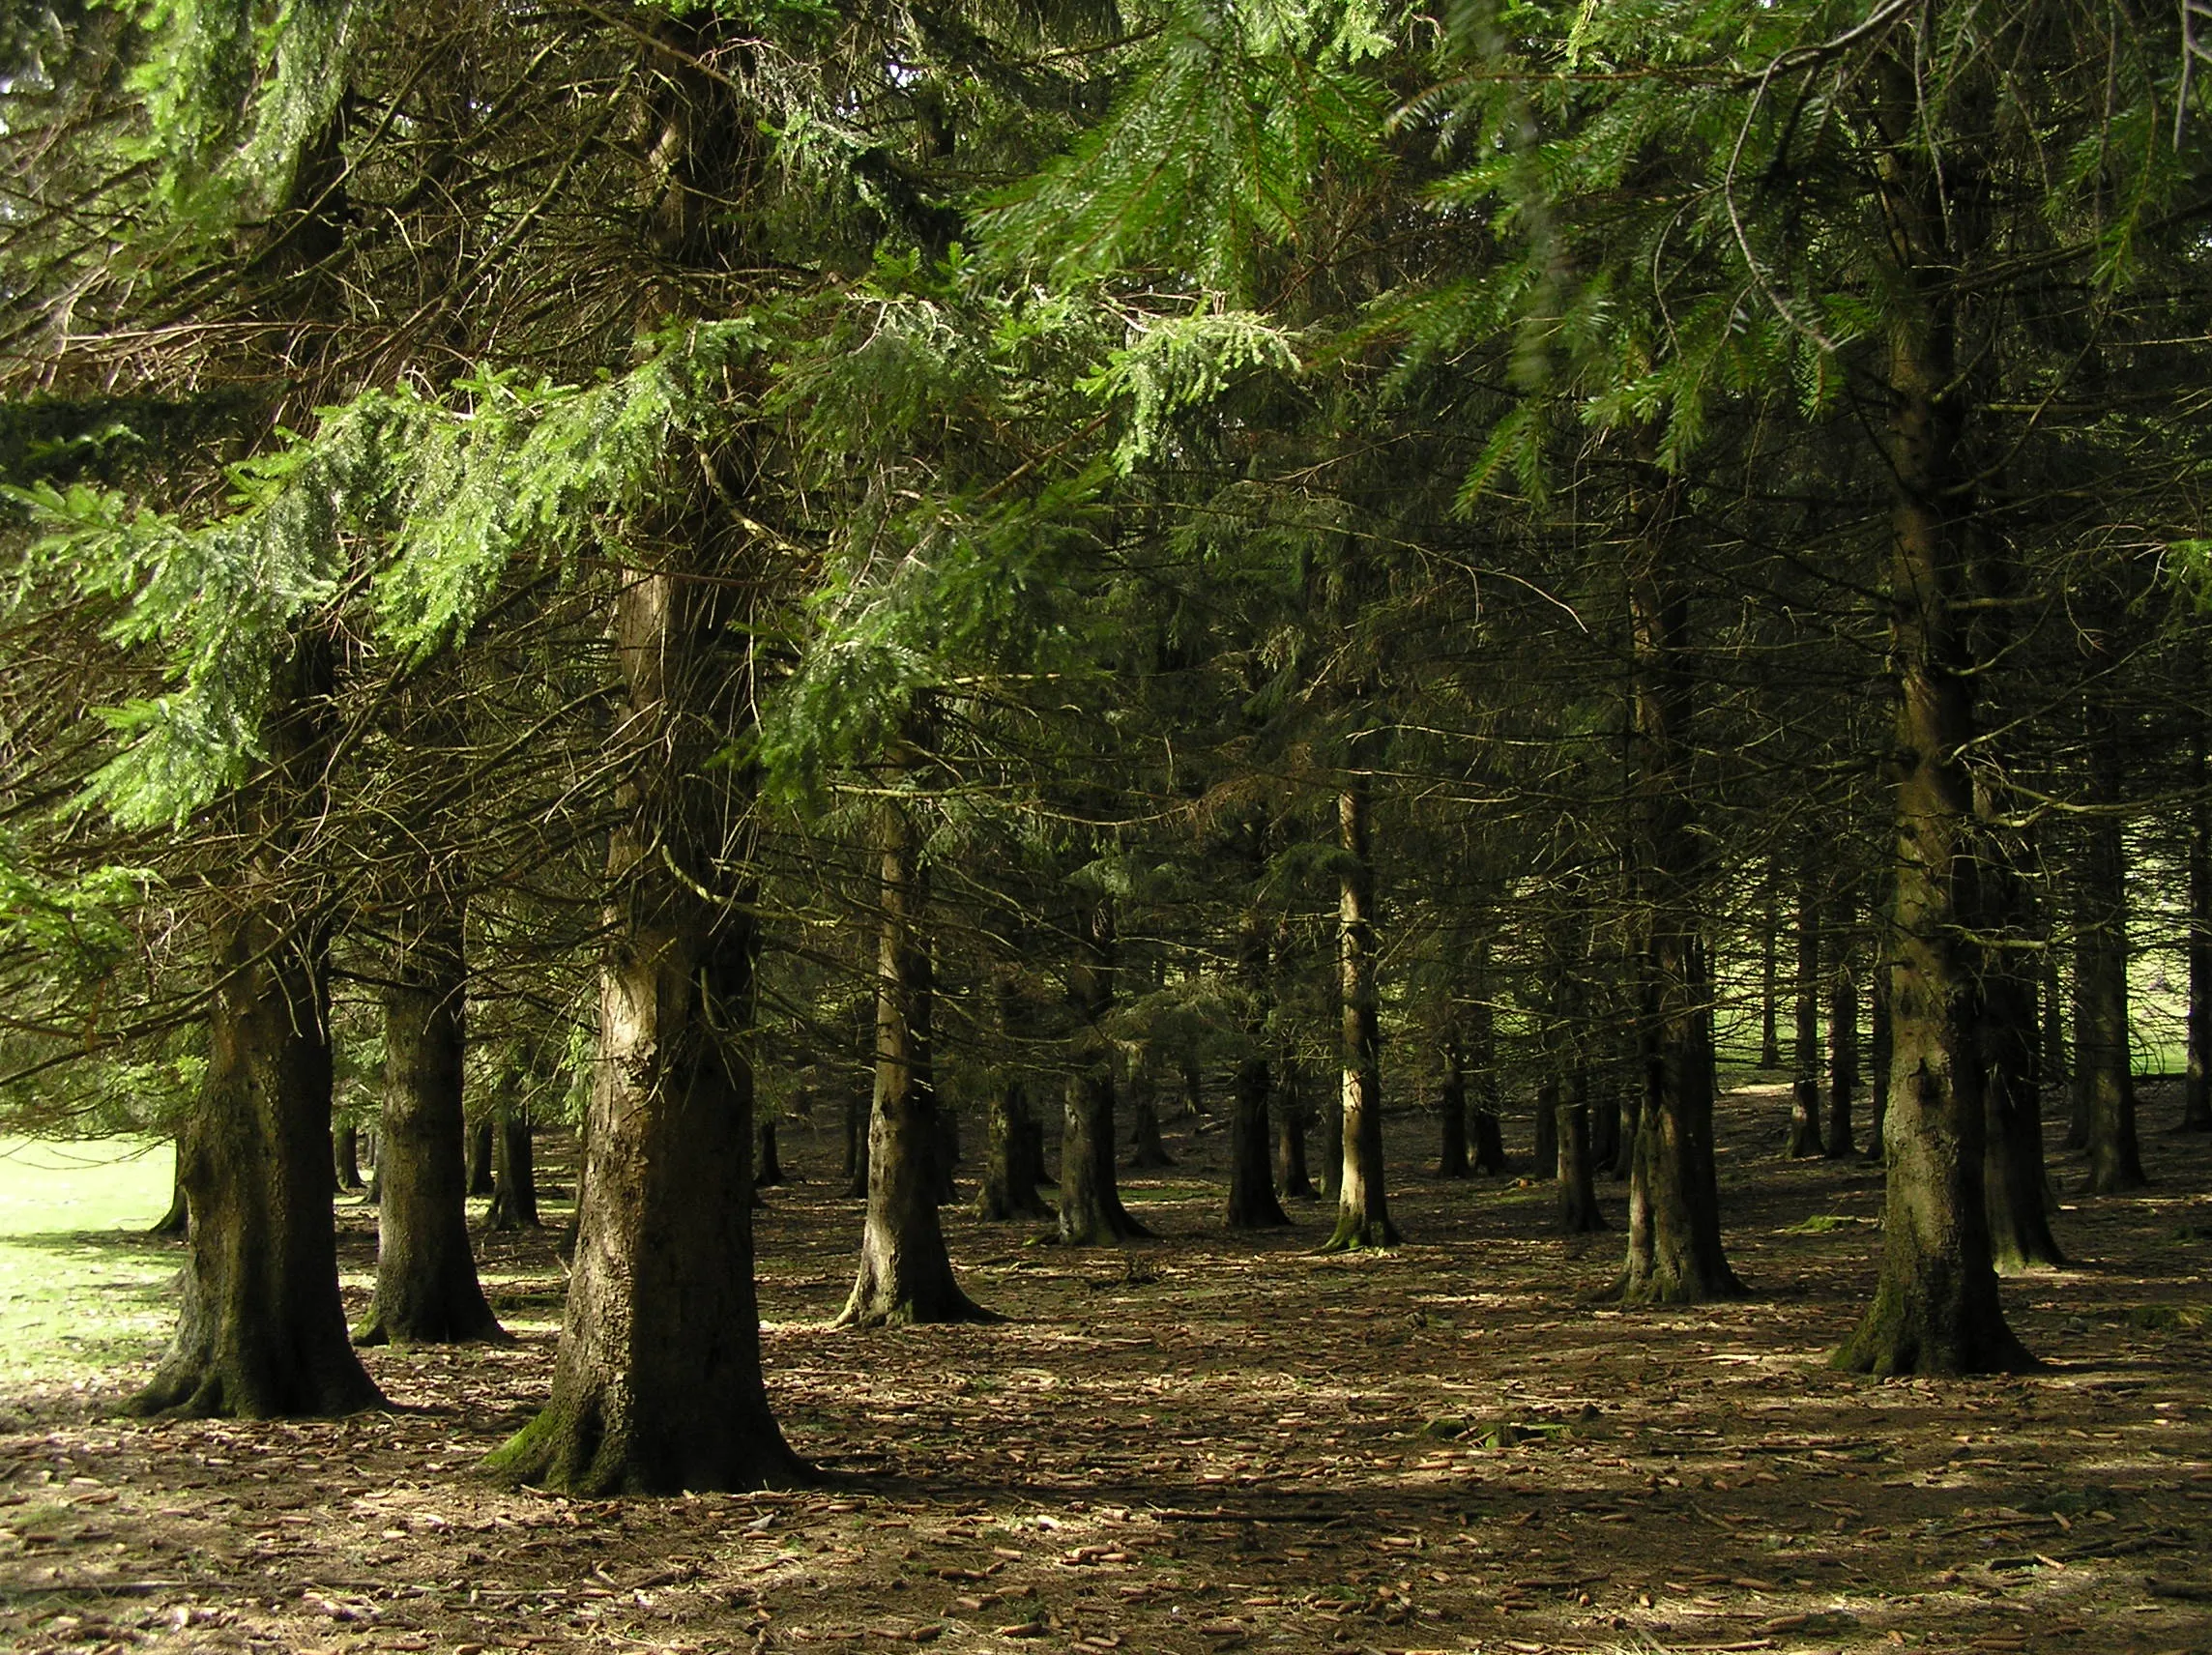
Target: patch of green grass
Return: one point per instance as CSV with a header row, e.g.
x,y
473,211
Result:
x,y
81,1289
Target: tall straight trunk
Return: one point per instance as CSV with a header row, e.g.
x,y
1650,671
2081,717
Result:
x,y
1805,1051
1293,1180
2103,1062
1880,1048
1252,1199
1332,1142
1484,1127
514,1170
1363,1210
345,1158
1451,1114
1936,1307
1674,1253
2057,1063
857,1109
2196,1084
1842,1034
1146,1150
905,1273
1605,1128
767,1158
1008,1188
1091,1209
481,1175
1544,1146
1579,1213
261,1333
656,1384
1769,985
2013,1175
427,1288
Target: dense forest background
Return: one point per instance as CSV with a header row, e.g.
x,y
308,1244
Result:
x,y
1014,570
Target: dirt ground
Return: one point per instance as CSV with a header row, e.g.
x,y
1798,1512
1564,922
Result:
x,y
1209,1442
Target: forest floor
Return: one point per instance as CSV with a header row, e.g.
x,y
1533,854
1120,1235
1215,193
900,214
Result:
x,y
1209,1442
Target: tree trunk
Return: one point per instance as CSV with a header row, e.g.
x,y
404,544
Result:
x,y
1008,1188
1252,1201
261,1333
1936,1308
1484,1126
1674,1254
177,1223
345,1158
1605,1129
1805,1082
657,1386
1769,985
1146,1152
1544,1149
1363,1210
2103,1062
1091,1209
1331,1143
1292,1179
767,1165
905,1273
1579,1213
514,1172
427,1288
1451,1114
857,1109
1843,1038
2196,1084
480,1173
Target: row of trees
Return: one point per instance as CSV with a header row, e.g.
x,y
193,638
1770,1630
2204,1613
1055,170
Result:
x,y
675,546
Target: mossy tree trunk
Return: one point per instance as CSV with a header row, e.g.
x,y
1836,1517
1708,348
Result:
x,y
426,1287
1936,1308
905,1274
1091,1209
657,1386
1362,1205
261,1333
1674,1254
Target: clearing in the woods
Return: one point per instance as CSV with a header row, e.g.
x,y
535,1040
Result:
x,y
1200,1443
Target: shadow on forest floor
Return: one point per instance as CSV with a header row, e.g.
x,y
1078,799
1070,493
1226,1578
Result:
x,y
1212,1442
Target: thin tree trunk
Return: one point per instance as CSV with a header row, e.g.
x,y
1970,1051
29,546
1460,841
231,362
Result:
x,y
1293,1180
481,1175
905,1273
261,1333
1936,1308
1331,1143
1674,1253
1146,1152
1091,1209
1544,1149
2196,1084
2103,1062
767,1164
1484,1127
1362,1209
1451,1114
1843,1035
1880,1048
1805,1053
1769,985
514,1170
345,1158
1252,1201
426,1287
656,1384
1579,1213
856,1112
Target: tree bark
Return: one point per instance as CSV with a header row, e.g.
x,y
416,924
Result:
x,y
1451,1114
657,1384
1544,1146
1674,1254
905,1273
345,1158
1880,1048
482,1176
514,1170
177,1223
1936,1308
261,1333
1091,1209
1146,1150
1293,1182
1013,1152
2104,1060
767,1164
1843,1035
1805,1053
427,1288
1362,1209
2197,1083
1579,1213
1769,985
